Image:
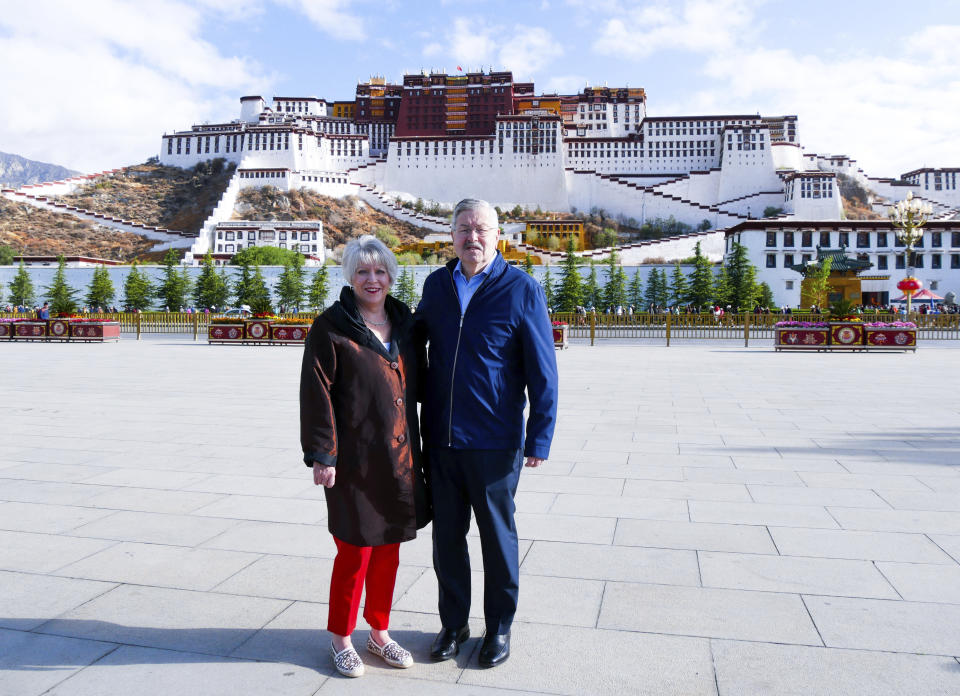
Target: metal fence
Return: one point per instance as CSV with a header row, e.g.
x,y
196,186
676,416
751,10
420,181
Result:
x,y
590,326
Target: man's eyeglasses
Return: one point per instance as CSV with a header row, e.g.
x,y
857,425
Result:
x,y
464,231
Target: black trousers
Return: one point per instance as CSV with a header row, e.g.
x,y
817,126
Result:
x,y
486,482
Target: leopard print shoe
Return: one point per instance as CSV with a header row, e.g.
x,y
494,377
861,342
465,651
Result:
x,y
347,661
392,653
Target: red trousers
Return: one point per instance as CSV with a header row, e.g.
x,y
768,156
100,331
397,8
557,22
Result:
x,y
355,565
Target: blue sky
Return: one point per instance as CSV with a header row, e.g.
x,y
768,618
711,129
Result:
x,y
98,82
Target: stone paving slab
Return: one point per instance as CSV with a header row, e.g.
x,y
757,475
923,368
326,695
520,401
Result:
x,y
707,524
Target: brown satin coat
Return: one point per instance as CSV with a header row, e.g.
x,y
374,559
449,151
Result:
x,y
358,412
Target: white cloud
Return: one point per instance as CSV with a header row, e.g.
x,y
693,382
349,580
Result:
x,y
565,84
698,25
529,50
97,83
331,17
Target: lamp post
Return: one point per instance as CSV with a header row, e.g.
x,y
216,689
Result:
x,y
908,218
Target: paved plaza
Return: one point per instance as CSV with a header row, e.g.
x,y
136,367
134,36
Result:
x,y
712,520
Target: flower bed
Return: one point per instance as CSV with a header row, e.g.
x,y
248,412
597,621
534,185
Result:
x,y
895,335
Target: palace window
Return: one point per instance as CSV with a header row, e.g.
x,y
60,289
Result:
x,y
771,260
882,262
825,239
788,239
844,239
881,239
900,261
936,239
806,239
787,260
863,240
936,261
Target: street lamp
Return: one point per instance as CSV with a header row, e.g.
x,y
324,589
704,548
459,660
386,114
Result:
x,y
908,218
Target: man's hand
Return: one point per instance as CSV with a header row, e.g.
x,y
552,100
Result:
x,y
534,461
324,475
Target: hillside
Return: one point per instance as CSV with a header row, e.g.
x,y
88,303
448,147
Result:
x,y
16,171
343,218
177,199
856,199
32,231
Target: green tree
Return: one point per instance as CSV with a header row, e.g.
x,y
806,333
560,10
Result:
x,y
722,293
174,289
62,297
679,287
101,291
569,291
318,289
259,293
386,234
700,291
21,288
615,290
291,285
7,253
548,289
592,294
137,290
635,294
766,295
265,256
742,276
652,294
212,289
663,289
406,289
242,286
818,283
528,264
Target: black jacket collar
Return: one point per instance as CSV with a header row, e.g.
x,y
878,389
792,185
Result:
x,y
345,316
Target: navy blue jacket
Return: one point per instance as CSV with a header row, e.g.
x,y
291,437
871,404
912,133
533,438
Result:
x,y
480,364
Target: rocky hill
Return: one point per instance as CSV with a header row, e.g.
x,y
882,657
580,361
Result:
x,y
343,218
32,231
856,199
170,197
16,171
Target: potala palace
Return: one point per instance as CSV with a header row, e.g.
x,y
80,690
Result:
x,y
442,137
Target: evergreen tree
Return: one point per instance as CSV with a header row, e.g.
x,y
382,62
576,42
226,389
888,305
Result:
x,y
291,285
241,288
592,295
528,264
259,294
7,254
21,288
615,291
212,289
319,288
137,290
721,288
766,295
679,287
60,295
175,287
101,291
663,289
635,294
548,289
701,280
653,292
569,291
406,289
742,277
817,290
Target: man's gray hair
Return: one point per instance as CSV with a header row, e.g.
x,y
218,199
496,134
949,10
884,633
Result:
x,y
468,204
368,249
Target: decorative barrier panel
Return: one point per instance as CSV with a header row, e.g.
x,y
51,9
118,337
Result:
x,y
288,333
799,338
225,333
95,331
846,335
890,338
30,330
258,330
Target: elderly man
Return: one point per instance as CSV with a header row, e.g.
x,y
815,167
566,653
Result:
x,y
490,340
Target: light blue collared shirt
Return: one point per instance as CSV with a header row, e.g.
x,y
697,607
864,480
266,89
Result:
x,y
466,288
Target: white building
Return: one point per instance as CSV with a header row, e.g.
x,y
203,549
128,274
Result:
x,y
305,237
775,245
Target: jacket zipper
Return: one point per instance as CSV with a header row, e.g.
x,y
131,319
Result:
x,y
456,351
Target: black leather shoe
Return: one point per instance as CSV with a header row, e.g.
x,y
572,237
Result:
x,y
495,650
447,643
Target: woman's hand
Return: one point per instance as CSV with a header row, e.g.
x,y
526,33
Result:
x,y
324,475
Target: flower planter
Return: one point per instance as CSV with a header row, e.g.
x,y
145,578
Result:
x,y
58,330
890,338
801,338
6,330
258,330
95,331
225,333
846,335
30,331
560,335
288,333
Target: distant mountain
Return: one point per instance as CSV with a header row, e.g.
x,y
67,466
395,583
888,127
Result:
x,y
17,171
